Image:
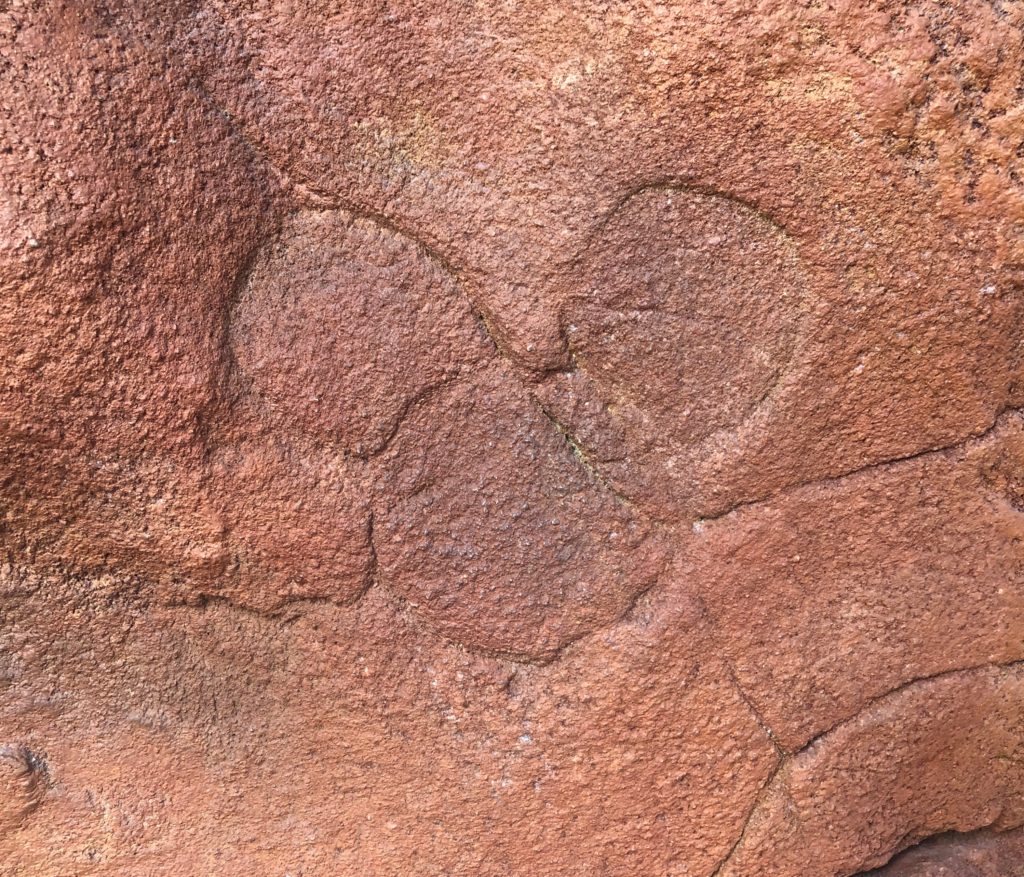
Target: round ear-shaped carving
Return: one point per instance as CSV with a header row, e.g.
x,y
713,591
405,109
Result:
x,y
689,310
344,324
491,527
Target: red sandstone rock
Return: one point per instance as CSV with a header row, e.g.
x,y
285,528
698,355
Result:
x,y
488,523
836,593
344,326
938,755
512,438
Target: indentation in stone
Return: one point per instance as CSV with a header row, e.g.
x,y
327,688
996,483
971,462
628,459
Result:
x,y
344,324
689,310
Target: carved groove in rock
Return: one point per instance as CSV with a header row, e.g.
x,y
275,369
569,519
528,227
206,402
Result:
x,y
511,438
344,325
689,309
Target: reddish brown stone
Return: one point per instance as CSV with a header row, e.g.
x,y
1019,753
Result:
x,y
296,524
344,325
510,438
488,523
836,593
181,730
939,755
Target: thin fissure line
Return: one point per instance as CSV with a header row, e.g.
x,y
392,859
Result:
x,y
755,807
899,689
829,480
787,757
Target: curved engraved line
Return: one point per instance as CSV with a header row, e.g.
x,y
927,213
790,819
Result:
x,y
349,216
317,199
791,351
669,183
241,383
330,202
776,780
674,183
325,201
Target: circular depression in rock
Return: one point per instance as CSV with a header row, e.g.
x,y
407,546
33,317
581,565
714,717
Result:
x,y
343,324
689,310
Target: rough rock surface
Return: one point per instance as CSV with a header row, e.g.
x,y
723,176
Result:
x,y
511,438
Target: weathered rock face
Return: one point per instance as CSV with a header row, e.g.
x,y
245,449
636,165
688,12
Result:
x,y
511,438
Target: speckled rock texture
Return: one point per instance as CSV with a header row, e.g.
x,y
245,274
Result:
x,y
511,439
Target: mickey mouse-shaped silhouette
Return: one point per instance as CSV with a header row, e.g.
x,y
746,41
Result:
x,y
366,369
